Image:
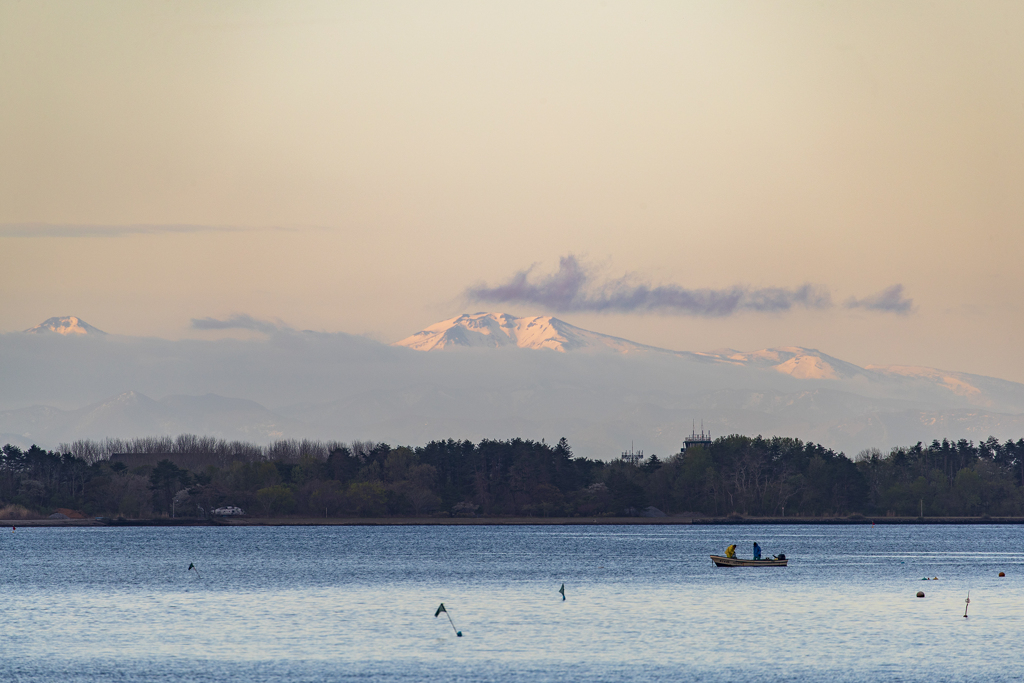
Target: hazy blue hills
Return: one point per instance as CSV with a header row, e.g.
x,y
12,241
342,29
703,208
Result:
x,y
132,414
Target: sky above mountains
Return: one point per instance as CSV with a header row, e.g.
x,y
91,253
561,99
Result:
x,y
691,176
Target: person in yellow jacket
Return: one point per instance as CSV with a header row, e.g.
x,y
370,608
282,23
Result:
x,y
730,552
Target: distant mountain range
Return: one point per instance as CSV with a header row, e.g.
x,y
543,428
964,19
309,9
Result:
x,y
498,330
532,377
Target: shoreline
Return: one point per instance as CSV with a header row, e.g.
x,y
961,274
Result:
x,y
504,521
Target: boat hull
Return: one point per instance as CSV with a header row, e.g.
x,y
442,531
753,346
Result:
x,y
737,562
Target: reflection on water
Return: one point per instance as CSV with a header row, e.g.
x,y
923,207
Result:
x,y
644,603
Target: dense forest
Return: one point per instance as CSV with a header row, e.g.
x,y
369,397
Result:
x,y
191,476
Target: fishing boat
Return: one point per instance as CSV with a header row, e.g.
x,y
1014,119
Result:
x,y
777,561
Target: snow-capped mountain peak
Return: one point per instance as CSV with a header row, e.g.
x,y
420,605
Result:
x,y
496,330
68,325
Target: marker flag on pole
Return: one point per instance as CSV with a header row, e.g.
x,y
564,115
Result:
x,y
193,567
442,609
562,591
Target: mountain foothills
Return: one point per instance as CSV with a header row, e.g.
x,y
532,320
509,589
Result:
x,y
480,376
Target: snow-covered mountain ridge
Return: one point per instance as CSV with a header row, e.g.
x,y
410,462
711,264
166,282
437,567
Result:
x,y
498,330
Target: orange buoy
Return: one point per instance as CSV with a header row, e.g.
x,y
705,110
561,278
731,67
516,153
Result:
x,y
920,594
1001,574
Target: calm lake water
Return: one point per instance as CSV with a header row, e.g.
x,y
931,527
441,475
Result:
x,y
644,604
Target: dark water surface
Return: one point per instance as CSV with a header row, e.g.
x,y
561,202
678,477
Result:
x,y
644,604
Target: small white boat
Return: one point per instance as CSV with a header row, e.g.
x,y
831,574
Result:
x,y
779,561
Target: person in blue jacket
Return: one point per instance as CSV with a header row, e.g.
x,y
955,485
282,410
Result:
x,y
757,551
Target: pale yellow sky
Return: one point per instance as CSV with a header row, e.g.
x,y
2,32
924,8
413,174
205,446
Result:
x,y
356,166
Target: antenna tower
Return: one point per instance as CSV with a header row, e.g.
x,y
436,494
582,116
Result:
x,y
631,456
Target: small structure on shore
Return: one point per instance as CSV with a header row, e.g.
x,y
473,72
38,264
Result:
x,y
632,457
228,511
702,439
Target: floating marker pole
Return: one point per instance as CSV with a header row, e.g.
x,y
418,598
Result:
x,y
440,609
562,591
968,601
191,567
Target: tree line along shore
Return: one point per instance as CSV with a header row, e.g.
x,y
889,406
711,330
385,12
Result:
x,y
734,478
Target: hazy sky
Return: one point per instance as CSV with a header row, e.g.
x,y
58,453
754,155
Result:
x,y
367,167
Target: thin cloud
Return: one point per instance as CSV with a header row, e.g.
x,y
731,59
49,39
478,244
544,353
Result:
x,y
889,300
574,289
238,322
76,230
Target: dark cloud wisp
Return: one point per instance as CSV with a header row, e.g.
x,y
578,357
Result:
x,y
889,300
237,322
574,289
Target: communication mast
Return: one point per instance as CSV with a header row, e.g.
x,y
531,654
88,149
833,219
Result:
x,y
633,458
695,439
